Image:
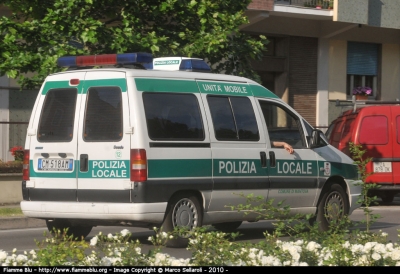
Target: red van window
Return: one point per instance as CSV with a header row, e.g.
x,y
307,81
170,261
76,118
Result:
x,y
398,128
336,133
374,130
346,134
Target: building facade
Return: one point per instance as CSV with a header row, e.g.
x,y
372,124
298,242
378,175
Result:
x,y
319,50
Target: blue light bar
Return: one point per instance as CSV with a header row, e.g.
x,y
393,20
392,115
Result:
x,y
194,65
134,58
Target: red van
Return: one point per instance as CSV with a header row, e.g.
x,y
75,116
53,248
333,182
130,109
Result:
x,y
377,128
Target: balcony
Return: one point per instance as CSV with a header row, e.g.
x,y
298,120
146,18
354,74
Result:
x,y
314,4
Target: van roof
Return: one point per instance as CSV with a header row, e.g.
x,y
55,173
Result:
x,y
376,106
131,72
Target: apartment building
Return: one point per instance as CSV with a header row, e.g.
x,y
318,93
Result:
x,y
319,51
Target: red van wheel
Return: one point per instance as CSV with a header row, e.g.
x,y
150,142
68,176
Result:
x,y
387,197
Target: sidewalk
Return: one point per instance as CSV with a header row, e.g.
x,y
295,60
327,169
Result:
x,y
19,222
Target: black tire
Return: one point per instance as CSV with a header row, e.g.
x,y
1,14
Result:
x,y
182,211
227,227
387,197
78,232
333,205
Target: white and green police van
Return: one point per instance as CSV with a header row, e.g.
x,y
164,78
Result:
x,y
137,147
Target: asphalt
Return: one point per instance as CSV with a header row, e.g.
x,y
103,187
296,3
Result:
x,y
18,222
21,222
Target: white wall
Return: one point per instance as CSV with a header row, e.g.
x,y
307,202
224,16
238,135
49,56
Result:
x,y
5,155
323,83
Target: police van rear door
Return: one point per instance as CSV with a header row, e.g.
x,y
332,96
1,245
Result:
x,y
52,139
104,139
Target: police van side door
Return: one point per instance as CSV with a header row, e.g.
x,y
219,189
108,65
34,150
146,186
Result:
x,y
237,144
104,139
293,177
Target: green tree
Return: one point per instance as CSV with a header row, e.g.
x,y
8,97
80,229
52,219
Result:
x,y
40,31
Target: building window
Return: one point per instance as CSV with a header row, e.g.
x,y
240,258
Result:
x,y
362,66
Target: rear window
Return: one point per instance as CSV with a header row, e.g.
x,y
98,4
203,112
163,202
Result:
x,y
57,118
172,116
103,118
374,130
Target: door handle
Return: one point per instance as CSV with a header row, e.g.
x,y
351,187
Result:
x,y
272,159
83,163
263,157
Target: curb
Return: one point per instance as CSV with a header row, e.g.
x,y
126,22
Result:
x,y
21,223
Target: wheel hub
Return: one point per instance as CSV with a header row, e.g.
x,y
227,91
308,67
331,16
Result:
x,y
334,207
185,214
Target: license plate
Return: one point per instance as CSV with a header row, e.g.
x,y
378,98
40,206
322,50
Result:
x,y
55,164
382,167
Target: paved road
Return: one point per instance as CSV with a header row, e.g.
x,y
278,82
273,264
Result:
x,y
23,237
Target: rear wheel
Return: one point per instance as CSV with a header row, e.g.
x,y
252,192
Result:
x,y
332,207
73,230
387,197
184,212
227,227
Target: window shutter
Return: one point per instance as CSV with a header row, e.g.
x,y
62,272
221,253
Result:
x,y
362,58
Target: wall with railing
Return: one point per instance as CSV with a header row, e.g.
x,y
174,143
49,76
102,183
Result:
x,y
318,4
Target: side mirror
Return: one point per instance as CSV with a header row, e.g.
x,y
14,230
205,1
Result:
x,y
316,139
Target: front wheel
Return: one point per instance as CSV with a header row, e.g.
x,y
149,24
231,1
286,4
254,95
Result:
x,y
72,230
332,207
184,212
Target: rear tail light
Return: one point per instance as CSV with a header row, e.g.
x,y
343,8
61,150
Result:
x,y
138,165
25,166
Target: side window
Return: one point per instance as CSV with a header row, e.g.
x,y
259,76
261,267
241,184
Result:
x,y
233,118
309,130
173,116
103,118
374,130
57,118
282,125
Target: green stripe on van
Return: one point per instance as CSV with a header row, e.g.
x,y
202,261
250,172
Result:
x,y
347,171
179,168
260,91
295,168
60,84
119,82
238,168
165,85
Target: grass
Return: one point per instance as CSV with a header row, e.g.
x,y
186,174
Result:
x,y
11,212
